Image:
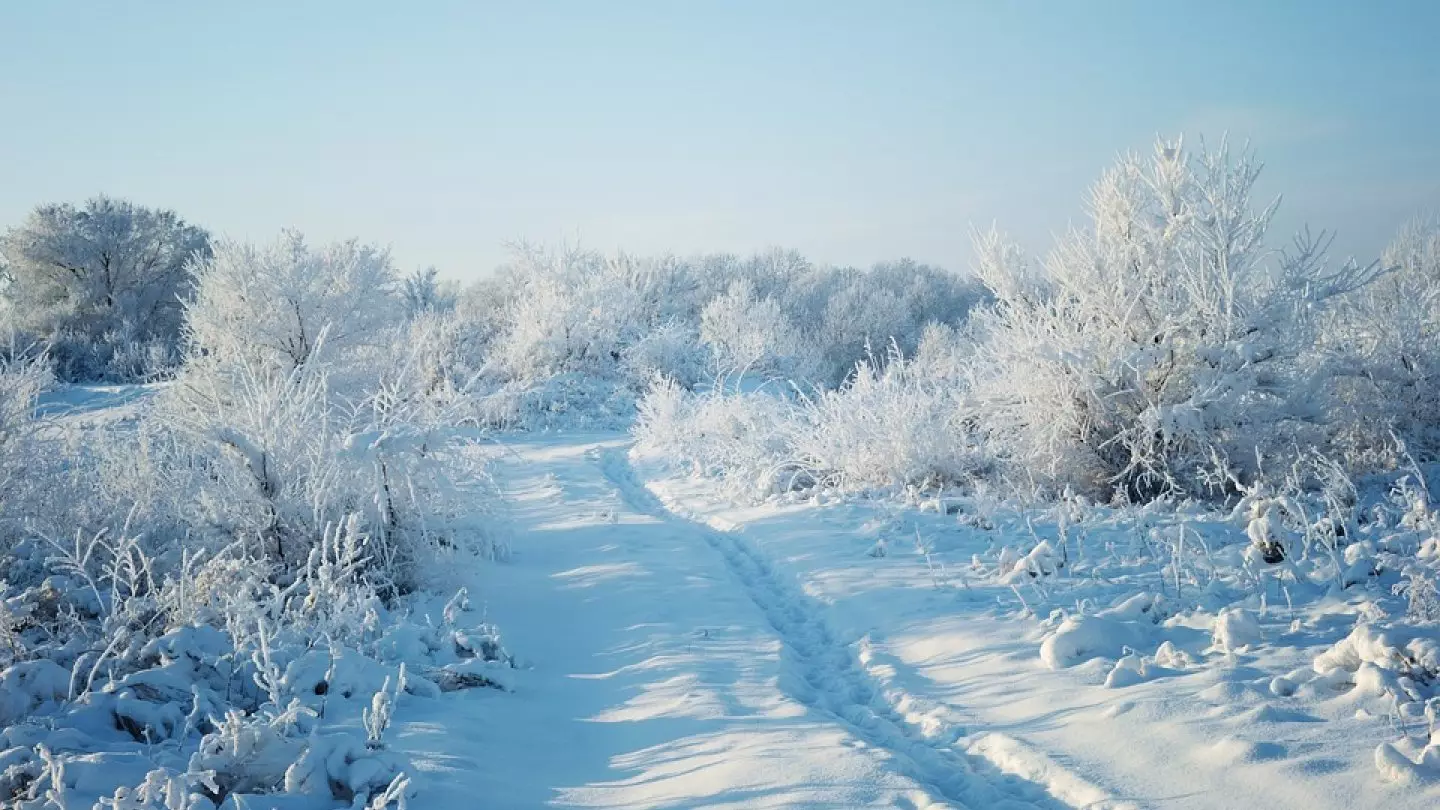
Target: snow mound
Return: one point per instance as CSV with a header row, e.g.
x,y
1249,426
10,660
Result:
x,y
1235,629
1106,634
1415,655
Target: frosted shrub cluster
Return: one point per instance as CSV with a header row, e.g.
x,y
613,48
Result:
x,y
229,571
891,425
307,398
742,438
571,338
1159,350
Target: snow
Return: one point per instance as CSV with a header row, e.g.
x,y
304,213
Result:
x,y
669,669
674,649
1129,703
683,651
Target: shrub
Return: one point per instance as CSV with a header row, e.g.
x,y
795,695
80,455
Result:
x,y
889,430
272,304
1155,352
1383,346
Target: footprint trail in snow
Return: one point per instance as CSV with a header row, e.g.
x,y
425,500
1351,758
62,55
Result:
x,y
670,666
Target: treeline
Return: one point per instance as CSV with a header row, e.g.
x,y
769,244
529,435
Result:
x,y
104,288
1167,348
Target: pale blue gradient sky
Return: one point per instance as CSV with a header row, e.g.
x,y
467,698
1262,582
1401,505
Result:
x,y
852,131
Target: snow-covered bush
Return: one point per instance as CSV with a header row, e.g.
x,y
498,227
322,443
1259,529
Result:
x,y
747,334
267,459
890,428
1383,342
271,305
102,285
887,429
672,350
553,319
571,401
741,438
855,316
566,313
1155,351
306,397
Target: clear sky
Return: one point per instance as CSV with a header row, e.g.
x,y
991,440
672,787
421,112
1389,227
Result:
x,y
851,131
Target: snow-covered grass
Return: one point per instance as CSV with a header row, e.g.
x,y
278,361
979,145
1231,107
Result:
x,y
216,682
175,658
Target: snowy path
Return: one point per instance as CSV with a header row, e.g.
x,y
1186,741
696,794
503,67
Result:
x,y
670,667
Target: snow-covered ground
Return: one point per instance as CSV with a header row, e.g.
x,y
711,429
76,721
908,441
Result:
x,y
675,650
667,668
680,652
1159,714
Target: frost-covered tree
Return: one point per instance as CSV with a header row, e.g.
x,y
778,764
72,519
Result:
x,y
275,303
1156,350
861,320
98,280
671,350
747,333
1384,347
308,398
423,292
568,312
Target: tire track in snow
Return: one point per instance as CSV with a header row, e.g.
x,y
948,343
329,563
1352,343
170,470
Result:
x,y
826,675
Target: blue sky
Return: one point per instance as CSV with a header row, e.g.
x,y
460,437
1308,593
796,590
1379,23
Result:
x,y
851,131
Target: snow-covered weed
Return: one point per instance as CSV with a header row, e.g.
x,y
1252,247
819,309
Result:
x,y
26,467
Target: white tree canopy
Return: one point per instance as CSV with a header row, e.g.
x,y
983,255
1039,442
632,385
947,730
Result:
x,y
277,304
109,270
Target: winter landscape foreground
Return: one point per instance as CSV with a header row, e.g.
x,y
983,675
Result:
x,y
1149,523
675,650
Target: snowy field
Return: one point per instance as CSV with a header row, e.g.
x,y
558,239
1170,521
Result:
x,y
673,649
1097,679
686,652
